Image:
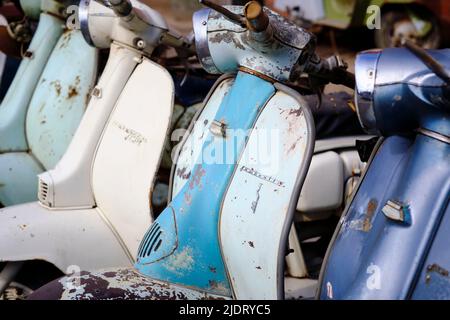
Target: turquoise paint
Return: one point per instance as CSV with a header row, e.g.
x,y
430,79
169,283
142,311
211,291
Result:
x,y
191,256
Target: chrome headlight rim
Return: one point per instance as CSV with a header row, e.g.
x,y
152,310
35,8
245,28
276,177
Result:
x,y
200,22
83,16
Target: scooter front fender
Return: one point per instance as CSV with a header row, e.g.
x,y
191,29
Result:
x,y
116,284
79,238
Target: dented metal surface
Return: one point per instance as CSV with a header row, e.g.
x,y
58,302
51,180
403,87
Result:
x,y
117,284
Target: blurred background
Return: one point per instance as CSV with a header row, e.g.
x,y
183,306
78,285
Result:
x,y
342,25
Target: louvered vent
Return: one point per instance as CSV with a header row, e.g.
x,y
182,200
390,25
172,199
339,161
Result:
x,y
152,241
43,191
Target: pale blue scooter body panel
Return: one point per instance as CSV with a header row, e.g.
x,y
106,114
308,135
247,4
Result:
x,y
48,122
61,98
14,107
187,231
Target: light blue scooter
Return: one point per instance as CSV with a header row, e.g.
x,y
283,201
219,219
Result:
x,y
45,102
224,234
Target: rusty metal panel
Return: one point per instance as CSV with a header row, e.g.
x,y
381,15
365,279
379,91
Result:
x,y
117,284
256,205
61,98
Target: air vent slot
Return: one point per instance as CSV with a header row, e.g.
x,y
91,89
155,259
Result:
x,y
43,191
152,241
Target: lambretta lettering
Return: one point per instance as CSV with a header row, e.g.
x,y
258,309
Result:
x,y
130,134
253,172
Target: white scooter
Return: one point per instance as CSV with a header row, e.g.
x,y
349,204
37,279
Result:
x,y
94,207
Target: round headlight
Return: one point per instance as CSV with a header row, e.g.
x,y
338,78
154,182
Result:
x,y
366,72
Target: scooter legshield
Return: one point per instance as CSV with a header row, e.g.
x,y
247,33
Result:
x,y
205,221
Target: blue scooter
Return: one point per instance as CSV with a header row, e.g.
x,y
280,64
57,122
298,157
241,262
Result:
x,y
392,242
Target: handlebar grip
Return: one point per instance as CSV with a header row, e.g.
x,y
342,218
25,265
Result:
x,y
257,19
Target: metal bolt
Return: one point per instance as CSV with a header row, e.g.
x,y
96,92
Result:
x,y
140,44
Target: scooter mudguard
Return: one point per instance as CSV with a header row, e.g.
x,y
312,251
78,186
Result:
x,y
56,108
187,242
116,284
381,246
14,106
79,238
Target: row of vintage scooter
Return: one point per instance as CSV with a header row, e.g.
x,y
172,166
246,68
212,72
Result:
x,y
242,222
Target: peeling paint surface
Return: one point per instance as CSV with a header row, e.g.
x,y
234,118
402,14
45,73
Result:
x,y
116,284
197,205
256,204
58,103
273,59
191,149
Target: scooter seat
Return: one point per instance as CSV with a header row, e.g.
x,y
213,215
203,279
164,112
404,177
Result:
x,y
14,169
116,284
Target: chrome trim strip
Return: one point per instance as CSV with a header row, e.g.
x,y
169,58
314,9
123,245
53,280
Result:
x,y
83,16
200,21
434,135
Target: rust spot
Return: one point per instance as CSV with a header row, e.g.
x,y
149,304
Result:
x,y
212,269
72,92
227,37
365,222
258,267
296,112
438,269
197,178
181,173
251,244
57,86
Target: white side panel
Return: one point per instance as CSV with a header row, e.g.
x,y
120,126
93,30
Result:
x,y
73,172
256,205
193,144
324,185
130,151
63,238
